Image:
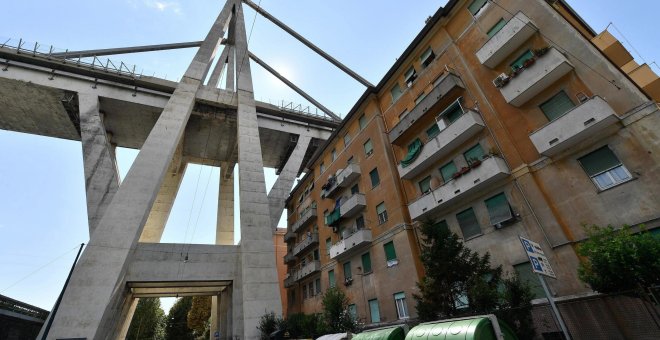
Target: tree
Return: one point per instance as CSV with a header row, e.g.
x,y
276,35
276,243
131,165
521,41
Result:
x,y
148,320
338,318
177,321
269,323
516,306
199,314
619,260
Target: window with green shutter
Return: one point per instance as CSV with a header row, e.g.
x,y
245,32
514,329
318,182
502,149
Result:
x,y
441,225
362,121
347,271
452,112
396,92
331,279
499,209
604,168
496,28
518,63
366,263
556,106
468,222
368,147
425,185
447,171
475,153
390,253
427,57
381,212
476,6
433,131
375,178
328,245
375,311
524,271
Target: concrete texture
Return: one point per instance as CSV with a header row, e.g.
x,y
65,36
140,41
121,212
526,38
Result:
x,y
225,223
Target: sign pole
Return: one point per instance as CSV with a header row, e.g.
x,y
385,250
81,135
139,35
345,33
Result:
x,y
555,311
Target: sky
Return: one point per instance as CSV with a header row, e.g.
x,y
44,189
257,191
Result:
x,y
43,217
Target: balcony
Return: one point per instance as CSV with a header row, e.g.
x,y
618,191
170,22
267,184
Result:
x,y
491,171
307,217
310,240
289,257
574,126
547,69
289,236
445,84
506,41
301,273
352,205
349,244
343,179
467,125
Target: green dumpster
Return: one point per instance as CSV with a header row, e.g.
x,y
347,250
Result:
x,y
476,328
390,333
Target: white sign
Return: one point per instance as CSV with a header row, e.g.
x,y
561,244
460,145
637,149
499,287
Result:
x,y
537,258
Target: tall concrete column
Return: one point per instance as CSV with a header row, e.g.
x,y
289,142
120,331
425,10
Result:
x,y
215,317
101,175
258,292
126,317
97,289
224,234
282,187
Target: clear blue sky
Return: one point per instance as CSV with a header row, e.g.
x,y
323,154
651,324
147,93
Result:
x,y
42,196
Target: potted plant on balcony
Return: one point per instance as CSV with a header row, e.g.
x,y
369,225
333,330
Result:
x,y
464,170
541,51
529,62
456,175
474,162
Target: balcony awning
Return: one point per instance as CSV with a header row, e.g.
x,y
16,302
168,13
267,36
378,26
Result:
x,y
413,151
333,217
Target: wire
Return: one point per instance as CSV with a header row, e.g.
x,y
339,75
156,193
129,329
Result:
x,y
40,268
627,41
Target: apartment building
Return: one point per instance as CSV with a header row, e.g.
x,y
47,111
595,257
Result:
x,y
501,119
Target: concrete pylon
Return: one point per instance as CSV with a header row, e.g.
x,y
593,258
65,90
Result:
x,y
97,290
282,187
224,234
101,175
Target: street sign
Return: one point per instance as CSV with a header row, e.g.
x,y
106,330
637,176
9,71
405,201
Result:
x,y
540,263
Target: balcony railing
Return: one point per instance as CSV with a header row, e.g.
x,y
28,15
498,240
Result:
x,y
289,257
309,240
445,84
352,205
301,273
308,216
490,171
465,127
289,236
507,40
343,179
545,71
359,238
574,126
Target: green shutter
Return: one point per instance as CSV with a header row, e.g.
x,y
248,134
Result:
x,y
474,153
414,150
399,296
452,112
425,184
499,209
328,245
368,147
347,270
433,131
496,28
362,121
380,208
375,179
469,223
390,253
599,161
442,225
366,263
447,171
557,106
375,311
331,278
396,92
476,5
525,273
518,63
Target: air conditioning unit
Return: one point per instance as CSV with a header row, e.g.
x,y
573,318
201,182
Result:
x,y
501,80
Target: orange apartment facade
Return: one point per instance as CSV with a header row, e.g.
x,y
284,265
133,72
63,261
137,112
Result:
x,y
501,119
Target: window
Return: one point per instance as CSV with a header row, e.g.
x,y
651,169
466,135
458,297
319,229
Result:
x,y
333,154
362,121
322,167
352,310
375,178
375,311
390,253
468,222
350,160
355,189
347,140
518,63
425,185
304,289
449,115
401,307
524,271
366,263
331,278
442,225
315,255
496,28
368,147
556,106
461,300
359,222
447,171
410,76
382,213
499,209
318,286
427,57
396,92
475,153
433,131
604,168
476,6
311,289
328,245
347,271
420,98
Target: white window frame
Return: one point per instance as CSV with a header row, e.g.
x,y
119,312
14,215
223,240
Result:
x,y
401,306
609,175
